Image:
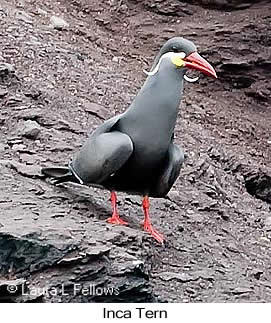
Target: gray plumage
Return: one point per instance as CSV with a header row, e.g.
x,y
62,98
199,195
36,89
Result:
x,y
134,152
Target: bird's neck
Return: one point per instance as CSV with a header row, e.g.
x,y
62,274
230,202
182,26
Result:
x,y
160,95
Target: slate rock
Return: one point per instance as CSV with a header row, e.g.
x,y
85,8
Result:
x,y
25,170
32,92
30,129
19,147
224,4
258,184
61,148
33,254
182,277
96,110
168,8
13,100
66,126
23,16
241,290
98,250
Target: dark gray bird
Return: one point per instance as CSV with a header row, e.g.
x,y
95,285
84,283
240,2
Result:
x,y
134,151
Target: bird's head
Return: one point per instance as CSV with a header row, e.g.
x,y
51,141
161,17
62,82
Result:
x,y
183,54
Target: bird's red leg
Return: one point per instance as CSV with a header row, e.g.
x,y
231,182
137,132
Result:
x,y
147,222
115,219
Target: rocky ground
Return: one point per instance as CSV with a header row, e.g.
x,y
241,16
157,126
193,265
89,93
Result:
x,y
60,79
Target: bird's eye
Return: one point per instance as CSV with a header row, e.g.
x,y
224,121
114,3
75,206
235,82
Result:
x,y
174,49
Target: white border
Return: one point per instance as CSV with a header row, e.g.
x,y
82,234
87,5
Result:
x,y
93,313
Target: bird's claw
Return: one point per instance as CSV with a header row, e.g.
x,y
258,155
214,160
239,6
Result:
x,y
155,234
115,219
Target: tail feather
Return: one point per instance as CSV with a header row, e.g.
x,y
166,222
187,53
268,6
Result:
x,y
59,174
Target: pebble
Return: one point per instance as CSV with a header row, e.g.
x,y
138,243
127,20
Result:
x,y
2,148
3,92
23,16
30,129
115,59
190,212
58,23
6,68
18,147
174,195
41,12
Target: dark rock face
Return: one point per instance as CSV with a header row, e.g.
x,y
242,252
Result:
x,y
68,272
259,185
227,4
21,255
179,7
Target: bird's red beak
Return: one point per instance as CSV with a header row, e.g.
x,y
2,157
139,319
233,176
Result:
x,y
196,62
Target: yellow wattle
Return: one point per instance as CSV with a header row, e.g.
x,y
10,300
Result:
x,y
177,61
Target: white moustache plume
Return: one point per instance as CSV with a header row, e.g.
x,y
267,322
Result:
x,y
190,80
156,68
